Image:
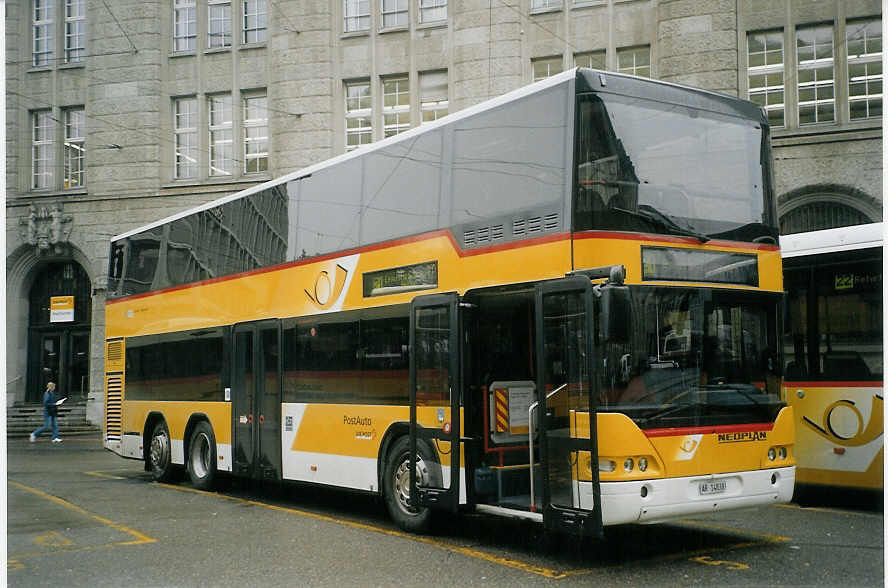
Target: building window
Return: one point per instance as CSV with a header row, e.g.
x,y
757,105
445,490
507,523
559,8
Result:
x,y
544,4
42,137
75,31
432,10
255,134
221,140
184,25
75,148
765,73
591,59
545,67
394,14
358,115
185,129
814,47
395,105
255,21
433,103
356,15
635,61
218,23
864,41
42,31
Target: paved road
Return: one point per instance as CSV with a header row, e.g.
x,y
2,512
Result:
x,y
81,516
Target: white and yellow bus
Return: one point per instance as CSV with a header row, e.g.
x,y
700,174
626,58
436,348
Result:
x,y
833,348
563,304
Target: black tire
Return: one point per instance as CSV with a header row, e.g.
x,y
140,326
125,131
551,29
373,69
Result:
x,y
160,457
396,482
201,460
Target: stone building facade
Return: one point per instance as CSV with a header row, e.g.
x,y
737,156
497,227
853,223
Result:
x,y
122,113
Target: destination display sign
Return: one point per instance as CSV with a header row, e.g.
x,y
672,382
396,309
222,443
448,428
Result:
x,y
408,278
689,265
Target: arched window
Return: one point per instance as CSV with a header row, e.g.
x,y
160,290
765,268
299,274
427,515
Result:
x,y
815,216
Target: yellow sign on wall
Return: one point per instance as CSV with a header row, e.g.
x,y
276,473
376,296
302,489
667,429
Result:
x,y
61,309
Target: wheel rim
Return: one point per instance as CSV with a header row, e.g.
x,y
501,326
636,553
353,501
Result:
x,y
160,450
402,482
200,456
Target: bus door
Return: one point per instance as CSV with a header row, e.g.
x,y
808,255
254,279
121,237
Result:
x,y
256,400
565,413
435,385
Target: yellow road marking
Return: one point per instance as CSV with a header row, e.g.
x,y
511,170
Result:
x,y
52,539
138,538
104,475
769,538
731,565
829,510
503,561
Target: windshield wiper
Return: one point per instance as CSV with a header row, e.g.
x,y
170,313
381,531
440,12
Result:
x,y
662,221
754,232
667,410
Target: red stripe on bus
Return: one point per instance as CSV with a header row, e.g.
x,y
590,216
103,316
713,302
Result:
x,y
374,247
672,239
835,384
289,264
708,430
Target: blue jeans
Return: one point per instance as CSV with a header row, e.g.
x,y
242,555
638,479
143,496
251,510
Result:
x,y
47,422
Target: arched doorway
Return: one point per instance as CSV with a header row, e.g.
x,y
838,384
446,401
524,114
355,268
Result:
x,y
58,345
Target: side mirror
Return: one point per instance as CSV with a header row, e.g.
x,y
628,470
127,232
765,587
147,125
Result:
x,y
616,313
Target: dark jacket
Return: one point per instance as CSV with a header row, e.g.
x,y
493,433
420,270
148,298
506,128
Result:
x,y
49,403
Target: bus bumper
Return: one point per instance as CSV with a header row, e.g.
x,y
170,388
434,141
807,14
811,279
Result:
x,y
652,501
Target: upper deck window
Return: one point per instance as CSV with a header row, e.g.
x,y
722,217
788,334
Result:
x,y
665,168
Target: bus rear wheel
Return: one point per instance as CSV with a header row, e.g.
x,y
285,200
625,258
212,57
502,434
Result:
x,y
202,457
160,461
396,485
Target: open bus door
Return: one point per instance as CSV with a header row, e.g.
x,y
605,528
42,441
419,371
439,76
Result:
x,y
435,385
566,411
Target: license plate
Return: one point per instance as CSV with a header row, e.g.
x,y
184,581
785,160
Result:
x,y
716,487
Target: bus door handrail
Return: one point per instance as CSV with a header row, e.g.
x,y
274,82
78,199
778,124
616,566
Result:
x,y
530,428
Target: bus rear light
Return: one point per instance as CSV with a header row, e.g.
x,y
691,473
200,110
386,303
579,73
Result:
x,y
606,465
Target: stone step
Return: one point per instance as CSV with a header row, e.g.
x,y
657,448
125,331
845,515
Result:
x,y
21,419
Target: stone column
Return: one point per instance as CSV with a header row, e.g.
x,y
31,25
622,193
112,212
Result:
x,y
697,44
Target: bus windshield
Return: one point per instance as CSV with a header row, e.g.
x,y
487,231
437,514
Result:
x,y
694,357
664,168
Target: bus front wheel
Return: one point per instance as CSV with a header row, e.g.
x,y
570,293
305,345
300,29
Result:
x,y
160,461
396,485
202,457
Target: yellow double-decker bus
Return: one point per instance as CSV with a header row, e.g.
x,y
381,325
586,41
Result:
x,y
563,304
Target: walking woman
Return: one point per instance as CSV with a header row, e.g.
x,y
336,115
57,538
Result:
x,y
50,414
